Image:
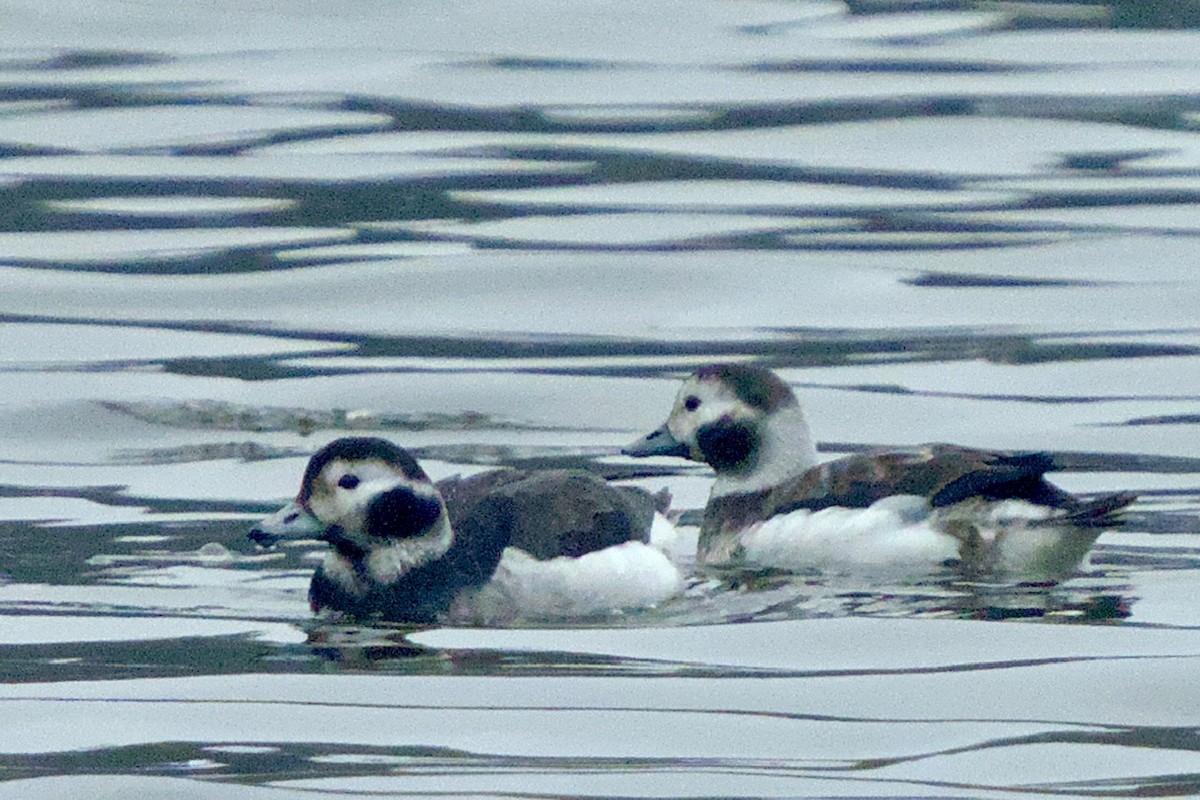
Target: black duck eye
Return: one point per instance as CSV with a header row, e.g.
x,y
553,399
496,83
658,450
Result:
x,y
691,403
292,517
348,481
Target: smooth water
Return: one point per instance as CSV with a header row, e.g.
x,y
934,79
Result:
x,y
498,233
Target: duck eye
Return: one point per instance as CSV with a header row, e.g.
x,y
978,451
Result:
x,y
348,481
292,517
691,403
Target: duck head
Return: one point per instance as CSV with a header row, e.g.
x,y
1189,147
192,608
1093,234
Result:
x,y
377,509
741,420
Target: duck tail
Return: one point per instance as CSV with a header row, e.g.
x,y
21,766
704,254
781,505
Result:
x,y
1099,512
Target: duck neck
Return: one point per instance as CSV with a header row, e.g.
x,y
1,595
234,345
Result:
x,y
784,451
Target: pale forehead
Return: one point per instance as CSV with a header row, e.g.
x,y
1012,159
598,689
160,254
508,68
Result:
x,y
705,387
715,398
363,468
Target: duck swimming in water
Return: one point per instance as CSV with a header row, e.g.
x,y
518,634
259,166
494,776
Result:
x,y
547,544
929,510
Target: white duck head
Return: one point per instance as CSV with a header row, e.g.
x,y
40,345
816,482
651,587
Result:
x,y
741,420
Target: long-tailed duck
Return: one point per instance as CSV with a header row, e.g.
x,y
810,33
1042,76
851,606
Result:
x,y
932,509
485,549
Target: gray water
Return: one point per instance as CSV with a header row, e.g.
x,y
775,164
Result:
x,y
497,233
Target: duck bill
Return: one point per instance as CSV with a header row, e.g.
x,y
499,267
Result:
x,y
659,442
292,522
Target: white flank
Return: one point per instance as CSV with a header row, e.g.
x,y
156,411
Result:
x,y
629,575
876,540
901,537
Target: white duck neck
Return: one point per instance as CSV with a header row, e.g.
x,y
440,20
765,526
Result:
x,y
785,450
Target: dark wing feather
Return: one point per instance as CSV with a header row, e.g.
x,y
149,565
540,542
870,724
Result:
x,y
549,513
944,474
1099,512
463,494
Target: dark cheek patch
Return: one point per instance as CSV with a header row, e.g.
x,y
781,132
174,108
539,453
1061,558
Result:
x,y
728,446
399,514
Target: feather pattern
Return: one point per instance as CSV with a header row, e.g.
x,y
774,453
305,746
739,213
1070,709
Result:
x,y
931,508
483,549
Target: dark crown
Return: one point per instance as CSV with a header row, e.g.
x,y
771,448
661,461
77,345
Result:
x,y
358,448
755,386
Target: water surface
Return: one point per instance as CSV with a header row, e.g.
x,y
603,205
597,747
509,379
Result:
x,y
498,233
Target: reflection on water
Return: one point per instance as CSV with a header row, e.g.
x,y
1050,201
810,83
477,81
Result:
x,y
497,234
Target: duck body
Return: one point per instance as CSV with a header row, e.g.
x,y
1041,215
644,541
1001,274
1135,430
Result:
x,y
550,544
930,510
